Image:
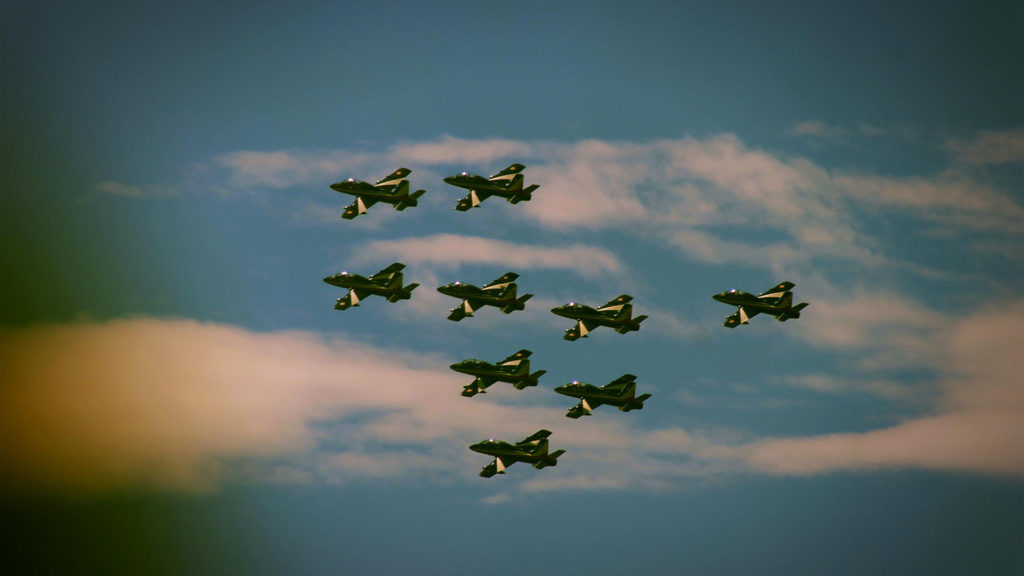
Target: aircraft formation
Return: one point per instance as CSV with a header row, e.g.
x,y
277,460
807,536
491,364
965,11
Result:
x,y
502,293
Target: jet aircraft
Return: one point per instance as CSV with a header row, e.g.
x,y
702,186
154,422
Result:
x,y
617,314
621,393
501,293
515,370
386,283
392,189
777,301
533,449
508,184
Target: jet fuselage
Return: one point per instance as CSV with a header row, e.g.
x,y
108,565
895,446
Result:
x,y
605,394
471,292
619,318
754,303
475,367
532,453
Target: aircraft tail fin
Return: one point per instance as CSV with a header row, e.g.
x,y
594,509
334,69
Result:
x,y
549,460
531,380
519,304
410,200
404,294
632,325
524,196
636,404
792,313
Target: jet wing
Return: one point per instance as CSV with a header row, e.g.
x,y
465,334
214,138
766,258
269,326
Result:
x,y
358,207
516,358
396,267
741,316
478,386
616,303
393,178
621,380
777,291
584,408
472,200
536,436
351,299
580,330
465,309
510,171
495,467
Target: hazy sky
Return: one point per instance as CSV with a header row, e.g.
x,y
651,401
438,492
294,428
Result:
x,y
177,394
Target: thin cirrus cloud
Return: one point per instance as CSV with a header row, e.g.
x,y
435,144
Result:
x,y
183,406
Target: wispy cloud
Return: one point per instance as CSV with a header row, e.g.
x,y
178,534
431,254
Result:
x,y
130,191
817,129
1006,147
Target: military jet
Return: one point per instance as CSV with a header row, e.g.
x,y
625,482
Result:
x,y
617,314
515,370
777,301
508,184
392,189
501,293
387,283
533,449
621,393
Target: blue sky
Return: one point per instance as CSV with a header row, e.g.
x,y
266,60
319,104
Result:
x,y
180,396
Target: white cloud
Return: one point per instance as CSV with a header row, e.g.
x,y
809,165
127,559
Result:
x,y
181,405
167,404
976,425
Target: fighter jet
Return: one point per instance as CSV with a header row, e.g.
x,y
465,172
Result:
x,y
501,293
508,184
515,370
533,449
617,314
392,189
777,301
619,393
387,283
